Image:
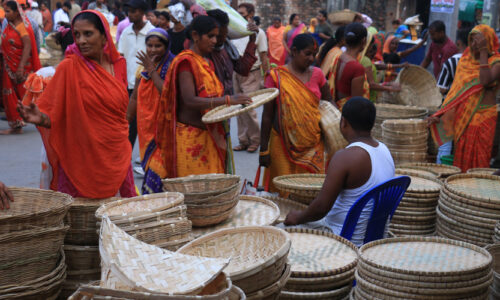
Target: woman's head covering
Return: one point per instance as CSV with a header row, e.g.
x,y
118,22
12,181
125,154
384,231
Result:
x,y
369,39
387,44
109,48
160,33
167,58
489,35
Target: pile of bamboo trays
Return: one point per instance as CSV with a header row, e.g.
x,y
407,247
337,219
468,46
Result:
x,y
300,187
416,213
496,234
323,265
285,206
32,264
394,111
485,171
422,268
210,198
157,219
442,171
494,250
258,257
406,139
131,265
81,244
469,208
250,211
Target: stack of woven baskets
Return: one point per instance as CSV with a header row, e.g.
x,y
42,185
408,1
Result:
x,y
416,213
300,187
157,219
323,265
418,87
32,263
496,235
250,211
422,268
258,257
210,198
81,245
469,208
131,265
394,111
494,250
406,139
442,171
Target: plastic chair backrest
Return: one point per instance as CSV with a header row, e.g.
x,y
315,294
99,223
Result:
x,y
386,197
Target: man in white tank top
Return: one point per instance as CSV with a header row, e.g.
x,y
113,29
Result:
x,y
362,165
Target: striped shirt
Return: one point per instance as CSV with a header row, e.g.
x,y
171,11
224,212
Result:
x,y
448,72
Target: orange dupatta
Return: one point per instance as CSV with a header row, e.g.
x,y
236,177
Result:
x,y
466,93
88,137
299,118
208,86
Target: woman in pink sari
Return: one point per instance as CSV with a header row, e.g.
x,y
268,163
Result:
x,y
294,28
20,58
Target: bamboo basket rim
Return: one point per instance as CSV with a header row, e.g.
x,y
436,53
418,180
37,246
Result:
x,y
250,268
316,295
483,206
290,204
450,187
209,195
281,182
181,209
442,170
273,288
464,208
482,171
441,229
427,181
467,219
437,240
219,114
332,271
452,225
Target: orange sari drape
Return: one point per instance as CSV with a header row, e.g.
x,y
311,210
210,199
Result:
x,y
178,145
299,132
277,53
464,119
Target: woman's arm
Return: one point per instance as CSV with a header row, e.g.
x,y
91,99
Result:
x,y
132,105
265,133
487,74
285,44
24,56
376,86
158,82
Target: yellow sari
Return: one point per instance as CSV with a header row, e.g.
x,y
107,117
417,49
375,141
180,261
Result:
x,y
297,147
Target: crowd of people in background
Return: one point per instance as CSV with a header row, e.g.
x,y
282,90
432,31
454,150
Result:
x,y
166,67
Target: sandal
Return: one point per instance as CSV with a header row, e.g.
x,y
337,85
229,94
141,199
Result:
x,y
252,148
240,148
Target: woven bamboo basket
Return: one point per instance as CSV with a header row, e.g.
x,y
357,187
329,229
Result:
x,y
442,170
258,254
418,171
330,128
394,111
338,254
462,208
409,140
46,286
212,208
140,206
305,185
200,183
175,212
403,157
84,276
407,148
86,292
250,211
320,284
29,254
82,257
272,292
160,232
211,220
406,125
130,264
494,250
485,171
34,207
219,195
345,16
285,206
341,293
482,189
82,221
418,87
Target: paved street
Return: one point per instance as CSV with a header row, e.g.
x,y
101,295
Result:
x,y
20,157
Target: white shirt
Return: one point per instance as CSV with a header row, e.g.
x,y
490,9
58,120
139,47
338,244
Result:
x,y
60,16
129,45
36,16
382,170
260,42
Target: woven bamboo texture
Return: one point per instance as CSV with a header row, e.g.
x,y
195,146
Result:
x,y
345,16
494,250
46,286
272,291
214,209
34,207
393,111
29,254
316,253
485,171
418,87
330,128
200,183
250,211
225,112
341,293
252,249
417,171
406,139
88,292
82,257
130,263
442,170
306,185
285,206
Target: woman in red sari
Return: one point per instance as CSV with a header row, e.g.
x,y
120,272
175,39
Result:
x,y
20,58
81,115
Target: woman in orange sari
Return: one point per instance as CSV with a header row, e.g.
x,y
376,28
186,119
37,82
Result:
x,y
20,58
184,144
147,91
468,115
81,115
277,53
290,134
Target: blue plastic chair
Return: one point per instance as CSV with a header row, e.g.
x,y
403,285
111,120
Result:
x,y
386,197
